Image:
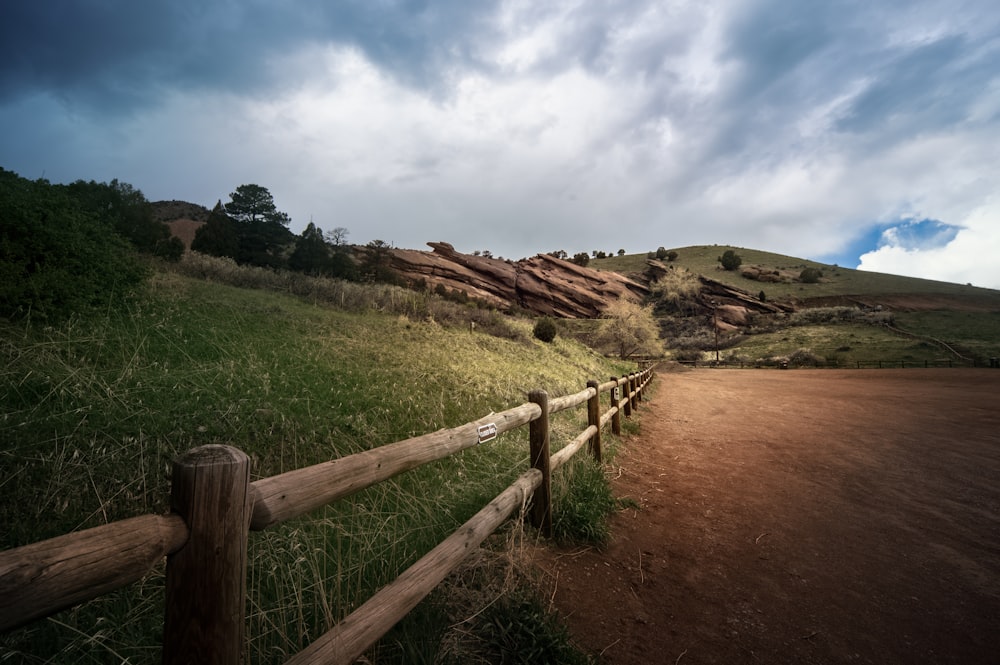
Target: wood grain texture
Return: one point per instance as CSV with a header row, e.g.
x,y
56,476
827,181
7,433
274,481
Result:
x,y
42,578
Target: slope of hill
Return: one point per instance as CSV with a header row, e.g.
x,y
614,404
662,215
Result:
x,y
98,408
182,218
847,316
836,281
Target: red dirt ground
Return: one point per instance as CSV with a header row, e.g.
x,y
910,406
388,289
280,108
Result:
x,y
801,516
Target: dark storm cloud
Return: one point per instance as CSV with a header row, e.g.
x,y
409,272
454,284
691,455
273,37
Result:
x,y
118,55
931,84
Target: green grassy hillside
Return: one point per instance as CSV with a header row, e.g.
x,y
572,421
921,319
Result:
x,y
965,317
95,410
836,281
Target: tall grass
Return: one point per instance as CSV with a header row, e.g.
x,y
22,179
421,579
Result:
x,y
95,410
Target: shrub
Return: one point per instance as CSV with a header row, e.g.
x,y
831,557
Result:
x,y
810,276
730,260
688,355
58,257
545,330
804,357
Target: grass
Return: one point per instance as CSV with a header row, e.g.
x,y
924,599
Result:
x,y
967,318
95,410
845,345
837,280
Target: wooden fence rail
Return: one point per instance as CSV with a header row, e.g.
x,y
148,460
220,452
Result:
x,y
214,506
835,364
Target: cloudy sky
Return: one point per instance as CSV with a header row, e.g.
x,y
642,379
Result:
x,y
859,132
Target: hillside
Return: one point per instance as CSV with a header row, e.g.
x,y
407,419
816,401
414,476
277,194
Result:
x,y
836,282
718,309
95,411
846,317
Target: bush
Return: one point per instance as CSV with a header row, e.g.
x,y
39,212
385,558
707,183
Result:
x,y
58,257
804,357
730,260
545,330
810,276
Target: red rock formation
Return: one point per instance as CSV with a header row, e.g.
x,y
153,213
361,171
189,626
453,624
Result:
x,y
542,284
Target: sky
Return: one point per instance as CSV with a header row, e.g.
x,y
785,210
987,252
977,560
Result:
x,y
864,133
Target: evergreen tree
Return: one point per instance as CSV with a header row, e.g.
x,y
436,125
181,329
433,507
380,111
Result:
x,y
311,254
218,236
261,227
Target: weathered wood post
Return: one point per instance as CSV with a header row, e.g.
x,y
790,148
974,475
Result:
x,y
626,397
206,579
594,418
633,388
639,381
538,433
616,417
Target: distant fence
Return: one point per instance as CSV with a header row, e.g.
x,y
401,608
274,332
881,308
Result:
x,y
822,364
214,506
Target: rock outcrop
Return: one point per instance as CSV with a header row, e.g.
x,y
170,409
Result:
x,y
730,307
542,284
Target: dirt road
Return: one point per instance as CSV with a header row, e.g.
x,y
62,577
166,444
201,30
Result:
x,y
800,516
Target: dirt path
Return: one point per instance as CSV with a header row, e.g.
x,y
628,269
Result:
x,y
800,517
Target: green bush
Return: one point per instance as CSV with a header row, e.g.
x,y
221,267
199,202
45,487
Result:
x,y
57,257
730,260
810,276
545,330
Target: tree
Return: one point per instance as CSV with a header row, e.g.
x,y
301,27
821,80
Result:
x,y
261,227
250,204
337,237
218,236
130,214
376,265
581,259
630,329
58,255
730,260
311,254
621,252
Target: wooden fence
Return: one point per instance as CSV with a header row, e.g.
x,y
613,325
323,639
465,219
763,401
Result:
x,y
827,364
214,506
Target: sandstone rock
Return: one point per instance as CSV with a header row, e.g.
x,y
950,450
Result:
x,y
542,284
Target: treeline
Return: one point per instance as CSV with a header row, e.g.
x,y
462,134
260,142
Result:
x,y
68,248
251,230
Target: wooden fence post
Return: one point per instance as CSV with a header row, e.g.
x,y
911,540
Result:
x,y
626,396
538,432
616,417
639,380
633,385
206,579
594,418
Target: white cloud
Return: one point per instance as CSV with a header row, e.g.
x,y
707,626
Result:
x,y
968,258
527,127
